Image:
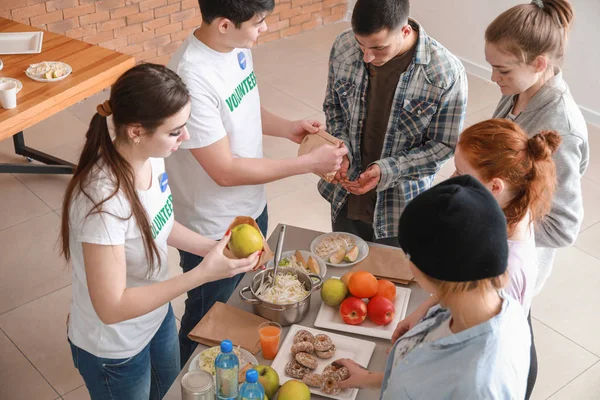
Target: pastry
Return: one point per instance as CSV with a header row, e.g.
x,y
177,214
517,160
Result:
x,y
303,347
307,360
331,384
323,342
313,380
304,336
295,370
337,369
327,353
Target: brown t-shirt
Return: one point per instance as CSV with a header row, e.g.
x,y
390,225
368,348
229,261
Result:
x,y
383,82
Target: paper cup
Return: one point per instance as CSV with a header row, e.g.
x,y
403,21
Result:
x,y
267,254
8,95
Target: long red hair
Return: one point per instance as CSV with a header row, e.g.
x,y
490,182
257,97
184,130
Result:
x,y
499,148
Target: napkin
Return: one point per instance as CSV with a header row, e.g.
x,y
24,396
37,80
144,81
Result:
x,y
386,263
227,322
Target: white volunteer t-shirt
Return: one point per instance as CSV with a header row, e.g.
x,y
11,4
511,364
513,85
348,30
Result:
x,y
225,101
124,339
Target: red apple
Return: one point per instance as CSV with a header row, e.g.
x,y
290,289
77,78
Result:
x,y
353,311
380,310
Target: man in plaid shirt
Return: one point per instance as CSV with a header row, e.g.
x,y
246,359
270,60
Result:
x,y
397,99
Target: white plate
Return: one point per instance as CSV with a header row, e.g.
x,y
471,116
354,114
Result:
x,y
39,78
16,81
249,357
329,317
305,254
363,248
21,42
346,347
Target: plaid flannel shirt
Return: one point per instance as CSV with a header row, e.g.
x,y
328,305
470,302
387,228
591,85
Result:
x,y
427,115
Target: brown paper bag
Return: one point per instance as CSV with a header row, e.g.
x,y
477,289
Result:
x,y
227,322
386,263
267,254
315,140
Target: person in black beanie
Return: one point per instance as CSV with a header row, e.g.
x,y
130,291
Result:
x,y
475,343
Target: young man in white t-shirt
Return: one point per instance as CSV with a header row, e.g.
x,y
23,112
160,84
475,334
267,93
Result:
x,y
223,174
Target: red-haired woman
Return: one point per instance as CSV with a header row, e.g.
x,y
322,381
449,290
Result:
x,y
520,173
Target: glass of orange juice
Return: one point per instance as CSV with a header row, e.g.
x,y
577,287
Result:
x,y
269,333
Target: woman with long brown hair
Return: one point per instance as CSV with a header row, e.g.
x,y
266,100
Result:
x,y
117,221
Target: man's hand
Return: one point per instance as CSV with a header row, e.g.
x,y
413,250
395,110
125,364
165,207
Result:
x,y
326,158
302,128
366,182
341,174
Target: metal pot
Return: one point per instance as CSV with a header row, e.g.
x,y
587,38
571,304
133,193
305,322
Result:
x,y
283,314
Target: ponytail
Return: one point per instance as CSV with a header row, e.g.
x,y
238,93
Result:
x,y
530,30
498,148
100,147
164,94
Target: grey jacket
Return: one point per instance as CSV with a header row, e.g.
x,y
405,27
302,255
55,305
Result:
x,y
553,108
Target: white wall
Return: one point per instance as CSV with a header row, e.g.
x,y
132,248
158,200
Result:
x,y
460,25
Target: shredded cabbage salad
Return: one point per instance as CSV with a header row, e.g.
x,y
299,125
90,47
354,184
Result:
x,y
206,361
287,289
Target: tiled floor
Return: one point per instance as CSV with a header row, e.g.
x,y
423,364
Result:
x,y
35,291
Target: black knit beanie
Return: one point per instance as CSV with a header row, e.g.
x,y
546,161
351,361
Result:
x,y
455,232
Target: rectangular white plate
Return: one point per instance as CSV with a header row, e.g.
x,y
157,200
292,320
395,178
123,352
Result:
x,y
329,318
346,347
21,42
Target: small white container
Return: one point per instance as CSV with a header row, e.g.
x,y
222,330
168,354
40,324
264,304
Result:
x,y
8,95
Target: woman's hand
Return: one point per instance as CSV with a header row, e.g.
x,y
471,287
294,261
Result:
x,y
407,324
414,318
217,266
360,377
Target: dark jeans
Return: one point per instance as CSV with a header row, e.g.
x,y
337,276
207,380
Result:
x,y
202,298
359,228
146,375
533,365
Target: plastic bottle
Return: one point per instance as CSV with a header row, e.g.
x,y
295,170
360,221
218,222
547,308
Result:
x,y
227,366
252,389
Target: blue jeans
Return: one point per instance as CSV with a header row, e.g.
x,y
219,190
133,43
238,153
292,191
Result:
x,y
202,298
147,375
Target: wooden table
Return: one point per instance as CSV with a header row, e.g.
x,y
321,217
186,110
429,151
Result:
x,y
300,239
94,69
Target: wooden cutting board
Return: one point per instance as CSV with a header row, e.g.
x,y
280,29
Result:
x,y
386,263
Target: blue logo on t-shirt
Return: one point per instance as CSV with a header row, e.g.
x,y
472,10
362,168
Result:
x,y
163,180
242,60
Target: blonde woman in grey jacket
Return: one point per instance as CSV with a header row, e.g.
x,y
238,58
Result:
x,y
524,46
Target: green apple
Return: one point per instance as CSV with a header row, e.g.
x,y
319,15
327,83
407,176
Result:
x,y
245,240
333,292
269,379
294,390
